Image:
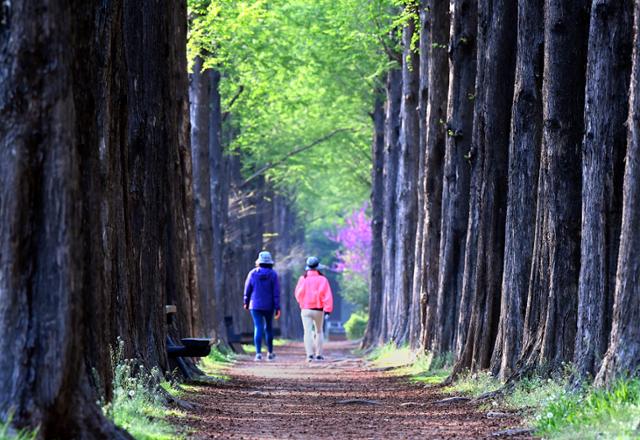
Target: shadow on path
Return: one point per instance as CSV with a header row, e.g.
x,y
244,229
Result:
x,y
338,398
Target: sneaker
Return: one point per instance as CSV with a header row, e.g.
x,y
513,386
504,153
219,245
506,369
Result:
x,y
271,356
310,358
258,357
319,357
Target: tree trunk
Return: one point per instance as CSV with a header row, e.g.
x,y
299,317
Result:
x,y
623,356
415,317
553,290
455,191
489,158
95,215
435,139
219,191
377,209
406,189
524,158
602,167
200,98
391,155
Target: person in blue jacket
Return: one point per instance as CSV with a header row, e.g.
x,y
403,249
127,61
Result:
x,y
262,299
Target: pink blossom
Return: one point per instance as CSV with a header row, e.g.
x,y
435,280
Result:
x,y
355,240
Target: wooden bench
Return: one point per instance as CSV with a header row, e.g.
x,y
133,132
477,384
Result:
x,y
236,340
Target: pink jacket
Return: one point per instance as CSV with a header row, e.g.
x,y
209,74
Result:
x,y
314,292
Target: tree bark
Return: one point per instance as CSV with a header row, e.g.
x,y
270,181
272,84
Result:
x,y
455,190
391,155
524,159
553,288
200,100
415,317
489,158
377,212
406,190
435,139
95,217
602,167
623,355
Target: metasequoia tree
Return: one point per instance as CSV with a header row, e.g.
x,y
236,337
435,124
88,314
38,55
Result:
x,y
377,219
391,154
437,13
96,218
455,186
607,83
480,302
551,313
200,101
415,320
406,189
524,154
623,354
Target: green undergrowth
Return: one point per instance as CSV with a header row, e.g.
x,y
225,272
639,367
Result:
x,y
217,362
552,406
593,413
402,361
138,404
7,433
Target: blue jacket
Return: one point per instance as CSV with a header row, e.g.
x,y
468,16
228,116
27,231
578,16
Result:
x,y
262,289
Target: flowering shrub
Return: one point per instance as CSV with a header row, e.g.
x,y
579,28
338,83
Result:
x,y
354,257
355,240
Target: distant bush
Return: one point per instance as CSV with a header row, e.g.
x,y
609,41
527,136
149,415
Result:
x,y
356,325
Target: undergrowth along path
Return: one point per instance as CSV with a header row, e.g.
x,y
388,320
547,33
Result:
x,y
339,397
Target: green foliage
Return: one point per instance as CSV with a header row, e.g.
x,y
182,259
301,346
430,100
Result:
x,y
356,291
356,325
137,404
592,413
421,368
308,68
7,433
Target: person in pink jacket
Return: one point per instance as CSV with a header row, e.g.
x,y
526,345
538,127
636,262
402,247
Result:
x,y
315,298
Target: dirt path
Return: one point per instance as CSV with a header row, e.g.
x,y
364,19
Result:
x,y
289,398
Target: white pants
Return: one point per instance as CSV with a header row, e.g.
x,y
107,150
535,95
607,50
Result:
x,y
312,322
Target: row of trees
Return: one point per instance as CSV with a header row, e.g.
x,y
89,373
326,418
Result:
x,y
107,214
505,214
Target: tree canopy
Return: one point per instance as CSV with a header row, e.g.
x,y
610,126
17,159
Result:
x,y
299,80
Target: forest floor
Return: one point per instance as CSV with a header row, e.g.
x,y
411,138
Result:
x,y
339,398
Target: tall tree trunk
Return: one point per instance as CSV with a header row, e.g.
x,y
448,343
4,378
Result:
x,y
406,189
391,155
415,317
480,305
623,355
435,139
200,100
455,190
553,290
219,191
94,205
602,168
524,159
377,210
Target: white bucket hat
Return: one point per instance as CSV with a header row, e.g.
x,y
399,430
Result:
x,y
264,257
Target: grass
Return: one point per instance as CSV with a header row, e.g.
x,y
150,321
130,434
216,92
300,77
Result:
x,y
420,368
216,362
6,433
138,405
592,413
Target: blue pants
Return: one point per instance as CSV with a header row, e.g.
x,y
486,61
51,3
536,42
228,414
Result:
x,y
262,327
